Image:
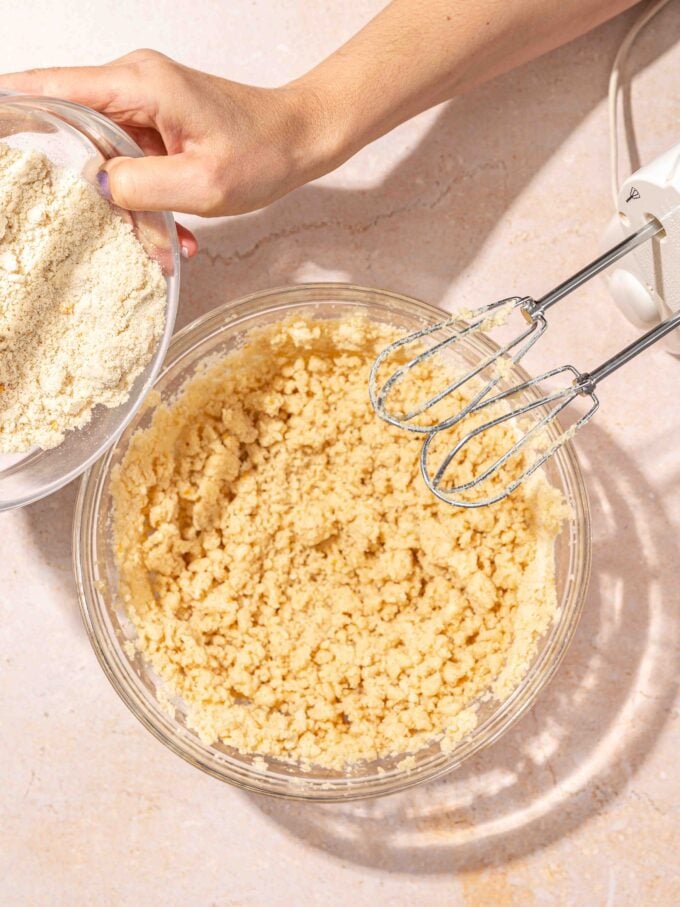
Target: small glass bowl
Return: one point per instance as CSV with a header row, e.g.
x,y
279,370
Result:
x,y
109,629
80,139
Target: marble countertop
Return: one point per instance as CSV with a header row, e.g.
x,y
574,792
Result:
x,y
504,191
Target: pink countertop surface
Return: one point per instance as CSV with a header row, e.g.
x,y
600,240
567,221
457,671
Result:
x,y
504,191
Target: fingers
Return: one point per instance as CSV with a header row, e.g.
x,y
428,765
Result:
x,y
178,182
91,85
115,90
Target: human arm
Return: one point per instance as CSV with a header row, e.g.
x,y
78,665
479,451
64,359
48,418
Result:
x,y
219,147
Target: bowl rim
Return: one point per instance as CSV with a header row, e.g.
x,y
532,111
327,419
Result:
x,y
126,145
346,787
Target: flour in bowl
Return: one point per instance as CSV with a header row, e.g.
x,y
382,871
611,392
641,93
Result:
x,y
82,306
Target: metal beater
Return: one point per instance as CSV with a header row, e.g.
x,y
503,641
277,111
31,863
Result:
x,y
646,289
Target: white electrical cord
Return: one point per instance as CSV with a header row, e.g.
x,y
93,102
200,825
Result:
x,y
613,93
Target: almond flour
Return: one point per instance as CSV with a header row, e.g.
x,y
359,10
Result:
x,y
292,579
82,305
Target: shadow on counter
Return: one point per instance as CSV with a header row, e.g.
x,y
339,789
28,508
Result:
x,y
50,522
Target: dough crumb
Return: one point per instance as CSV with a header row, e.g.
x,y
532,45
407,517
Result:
x,y
293,580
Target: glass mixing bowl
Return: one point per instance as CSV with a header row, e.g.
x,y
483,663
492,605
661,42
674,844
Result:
x,y
80,139
109,629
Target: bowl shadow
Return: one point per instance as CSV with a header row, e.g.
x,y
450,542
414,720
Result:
x,y
580,745
50,524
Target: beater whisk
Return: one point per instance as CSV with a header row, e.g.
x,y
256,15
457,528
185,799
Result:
x,y
550,405
654,202
482,318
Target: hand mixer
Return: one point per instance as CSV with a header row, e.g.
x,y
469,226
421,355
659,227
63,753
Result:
x,y
647,289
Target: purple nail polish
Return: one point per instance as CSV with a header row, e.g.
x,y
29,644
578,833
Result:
x,y
103,184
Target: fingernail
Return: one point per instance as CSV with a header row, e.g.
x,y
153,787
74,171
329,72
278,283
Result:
x,y
103,184
184,251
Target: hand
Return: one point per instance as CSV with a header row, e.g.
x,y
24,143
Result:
x,y
220,147
213,146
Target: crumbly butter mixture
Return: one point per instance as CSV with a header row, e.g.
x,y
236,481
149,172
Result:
x,y
292,579
81,303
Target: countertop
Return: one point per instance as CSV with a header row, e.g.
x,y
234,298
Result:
x,y
504,191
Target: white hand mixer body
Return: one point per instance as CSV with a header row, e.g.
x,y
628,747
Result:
x,y
645,286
